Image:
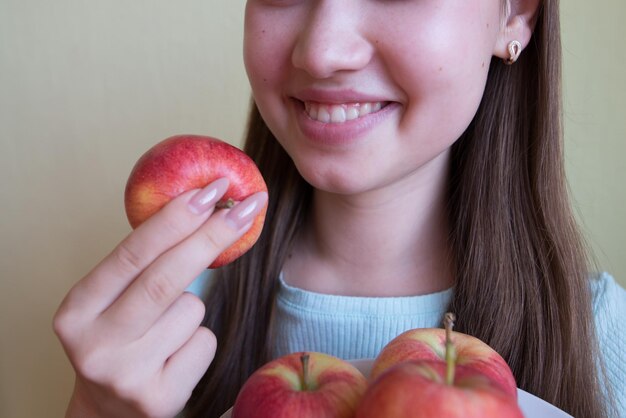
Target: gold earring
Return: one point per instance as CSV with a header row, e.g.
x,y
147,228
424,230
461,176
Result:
x,y
515,49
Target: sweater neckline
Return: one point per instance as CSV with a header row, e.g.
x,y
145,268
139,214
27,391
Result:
x,y
306,300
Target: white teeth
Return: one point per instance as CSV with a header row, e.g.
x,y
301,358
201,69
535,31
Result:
x,y
352,113
323,115
339,113
365,109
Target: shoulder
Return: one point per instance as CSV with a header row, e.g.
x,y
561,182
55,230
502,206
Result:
x,y
607,296
609,311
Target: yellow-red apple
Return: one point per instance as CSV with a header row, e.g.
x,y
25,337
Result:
x,y
441,386
430,344
301,385
417,389
186,162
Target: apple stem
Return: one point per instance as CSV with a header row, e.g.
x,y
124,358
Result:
x,y
225,204
305,370
448,322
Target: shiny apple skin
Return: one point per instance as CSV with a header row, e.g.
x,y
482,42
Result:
x,y
276,390
417,389
430,344
185,162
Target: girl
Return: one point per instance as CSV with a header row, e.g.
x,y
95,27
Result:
x,y
411,171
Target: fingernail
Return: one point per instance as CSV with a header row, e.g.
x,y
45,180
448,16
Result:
x,y
244,212
206,198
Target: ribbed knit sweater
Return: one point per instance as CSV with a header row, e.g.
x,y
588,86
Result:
x,y
358,327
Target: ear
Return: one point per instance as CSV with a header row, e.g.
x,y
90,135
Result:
x,y
518,23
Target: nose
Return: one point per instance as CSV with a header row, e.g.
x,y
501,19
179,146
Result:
x,y
331,40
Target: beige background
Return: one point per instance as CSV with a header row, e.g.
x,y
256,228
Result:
x,y
87,86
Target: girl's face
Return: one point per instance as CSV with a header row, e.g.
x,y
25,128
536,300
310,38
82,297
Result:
x,y
366,93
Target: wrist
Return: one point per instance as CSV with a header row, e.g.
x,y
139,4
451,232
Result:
x,y
81,406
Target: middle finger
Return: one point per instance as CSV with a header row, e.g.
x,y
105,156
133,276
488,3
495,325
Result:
x,y
168,277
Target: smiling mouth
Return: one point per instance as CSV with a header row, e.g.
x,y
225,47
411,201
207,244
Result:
x,y
341,112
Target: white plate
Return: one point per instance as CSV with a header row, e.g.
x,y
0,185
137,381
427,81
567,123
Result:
x,y
531,406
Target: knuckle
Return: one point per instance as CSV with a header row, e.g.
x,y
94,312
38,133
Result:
x,y
194,305
159,288
66,325
124,382
62,325
209,340
210,239
173,227
66,321
128,258
92,367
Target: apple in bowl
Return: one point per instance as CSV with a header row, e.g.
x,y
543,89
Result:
x,y
186,162
409,381
302,385
418,389
430,344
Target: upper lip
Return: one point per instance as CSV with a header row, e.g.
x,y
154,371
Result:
x,y
336,96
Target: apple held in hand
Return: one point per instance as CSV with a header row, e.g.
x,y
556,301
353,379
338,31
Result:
x,y
430,344
438,388
186,162
301,385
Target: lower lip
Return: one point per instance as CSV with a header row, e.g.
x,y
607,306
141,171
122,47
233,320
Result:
x,y
343,133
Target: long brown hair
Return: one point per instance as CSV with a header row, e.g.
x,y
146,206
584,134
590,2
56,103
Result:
x,y
521,266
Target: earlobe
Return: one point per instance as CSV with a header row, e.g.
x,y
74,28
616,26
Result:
x,y
517,27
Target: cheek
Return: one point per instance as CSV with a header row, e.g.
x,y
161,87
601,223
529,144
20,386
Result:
x,y
443,69
268,40
269,37
446,53
260,58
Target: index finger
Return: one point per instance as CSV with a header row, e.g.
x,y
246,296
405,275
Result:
x,y
162,283
164,230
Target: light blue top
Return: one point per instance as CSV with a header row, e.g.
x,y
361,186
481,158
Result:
x,y
358,327
609,311
349,327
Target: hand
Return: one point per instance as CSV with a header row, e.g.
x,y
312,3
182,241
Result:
x,y
130,330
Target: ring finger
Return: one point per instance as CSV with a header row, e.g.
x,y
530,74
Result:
x,y
173,329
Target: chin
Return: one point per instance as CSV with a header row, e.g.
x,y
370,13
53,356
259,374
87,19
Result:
x,y
340,181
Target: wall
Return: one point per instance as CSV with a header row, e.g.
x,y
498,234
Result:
x,y
595,124
86,87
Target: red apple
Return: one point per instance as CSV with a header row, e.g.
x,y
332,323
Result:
x,y
186,162
301,385
430,344
439,387
417,389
